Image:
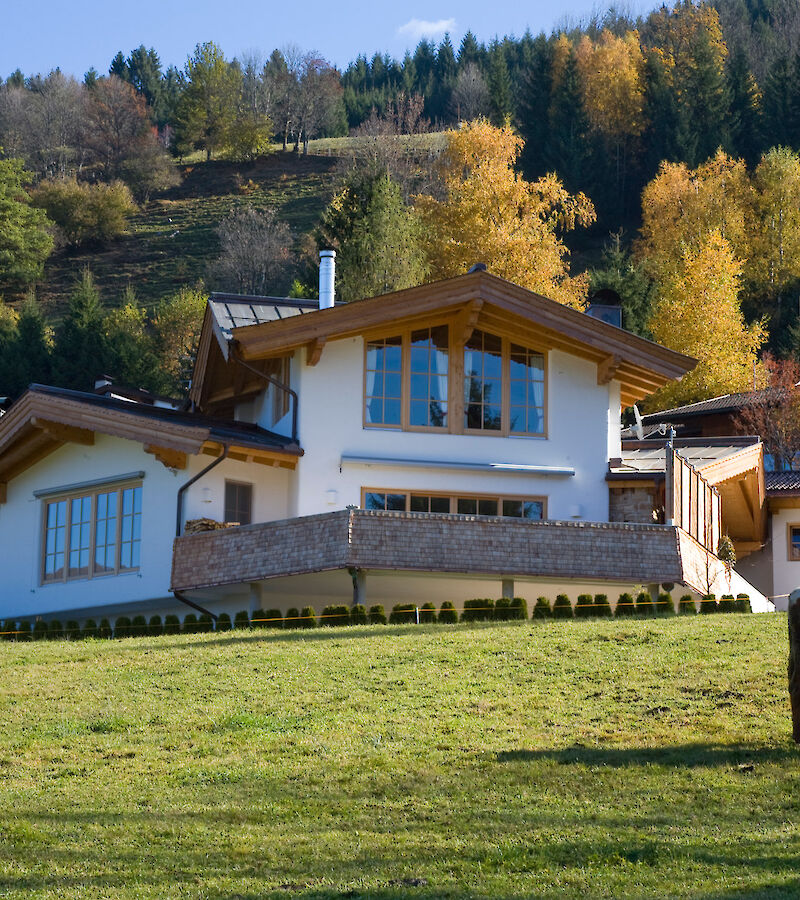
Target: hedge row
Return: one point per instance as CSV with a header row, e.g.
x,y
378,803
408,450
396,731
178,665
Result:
x,y
479,610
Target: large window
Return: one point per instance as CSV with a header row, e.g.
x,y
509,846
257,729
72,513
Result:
x,y
92,533
489,385
532,508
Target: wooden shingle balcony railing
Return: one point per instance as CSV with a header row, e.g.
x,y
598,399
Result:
x,y
440,543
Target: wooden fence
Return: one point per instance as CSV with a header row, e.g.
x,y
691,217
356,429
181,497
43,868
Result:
x,y
691,502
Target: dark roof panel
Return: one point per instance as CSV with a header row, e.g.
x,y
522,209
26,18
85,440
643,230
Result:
x,y
223,430
727,403
782,481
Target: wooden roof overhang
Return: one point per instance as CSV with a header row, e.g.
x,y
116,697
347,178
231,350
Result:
x,y
739,478
476,300
39,423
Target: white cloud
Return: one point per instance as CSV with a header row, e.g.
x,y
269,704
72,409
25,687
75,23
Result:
x,y
417,29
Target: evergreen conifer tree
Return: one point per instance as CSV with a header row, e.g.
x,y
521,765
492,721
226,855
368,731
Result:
x,y
80,345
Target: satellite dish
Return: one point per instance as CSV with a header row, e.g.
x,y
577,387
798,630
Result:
x,y
638,427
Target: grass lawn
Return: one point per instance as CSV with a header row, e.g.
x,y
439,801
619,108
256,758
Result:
x,y
577,759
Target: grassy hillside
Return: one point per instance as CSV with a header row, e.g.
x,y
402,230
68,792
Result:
x,y
172,240
585,759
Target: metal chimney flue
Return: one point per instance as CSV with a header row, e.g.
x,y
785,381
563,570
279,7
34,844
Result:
x,y
327,275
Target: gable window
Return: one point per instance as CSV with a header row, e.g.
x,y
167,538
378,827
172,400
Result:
x,y
238,502
532,508
384,382
793,536
416,380
93,533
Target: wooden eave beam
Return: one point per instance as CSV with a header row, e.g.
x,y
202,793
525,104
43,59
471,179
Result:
x,y
64,433
314,350
608,368
16,463
228,393
253,454
467,320
172,459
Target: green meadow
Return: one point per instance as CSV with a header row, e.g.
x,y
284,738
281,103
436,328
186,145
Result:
x,y
644,758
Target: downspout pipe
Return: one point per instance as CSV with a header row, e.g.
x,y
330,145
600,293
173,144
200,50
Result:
x,y
278,384
184,487
178,520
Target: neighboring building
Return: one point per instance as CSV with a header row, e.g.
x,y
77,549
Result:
x,y
458,440
761,511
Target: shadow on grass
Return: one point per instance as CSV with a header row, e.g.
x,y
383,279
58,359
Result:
x,y
687,756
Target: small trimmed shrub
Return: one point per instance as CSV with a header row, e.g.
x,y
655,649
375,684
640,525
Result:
x,y
602,608
55,630
358,614
190,624
727,604
204,623
686,606
403,614
104,629
542,610
518,609
139,626
479,610
155,627
274,618
625,606
292,619
427,614
72,630
742,604
24,630
664,605
223,622
172,625
122,627
241,620
8,628
584,607
708,604
501,607
334,616
562,608
259,619
308,618
377,615
39,630
447,613
644,604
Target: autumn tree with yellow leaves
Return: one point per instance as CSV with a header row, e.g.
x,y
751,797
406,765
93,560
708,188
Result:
x,y
611,73
489,213
698,312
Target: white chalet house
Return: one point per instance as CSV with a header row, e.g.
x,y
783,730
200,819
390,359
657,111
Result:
x,y
450,441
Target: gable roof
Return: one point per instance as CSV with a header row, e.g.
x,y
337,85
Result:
x,y
45,418
229,311
489,302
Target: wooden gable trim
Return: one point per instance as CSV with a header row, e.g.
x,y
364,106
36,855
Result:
x,y
64,433
314,351
172,459
607,368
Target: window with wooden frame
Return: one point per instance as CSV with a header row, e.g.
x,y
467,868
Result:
x,y
424,379
516,507
92,533
238,502
793,542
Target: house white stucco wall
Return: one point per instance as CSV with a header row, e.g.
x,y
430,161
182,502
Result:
x,y
21,522
583,428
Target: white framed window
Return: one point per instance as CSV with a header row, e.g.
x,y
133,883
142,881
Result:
x,y
91,533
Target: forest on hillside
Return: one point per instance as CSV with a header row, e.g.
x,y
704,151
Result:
x,y
673,136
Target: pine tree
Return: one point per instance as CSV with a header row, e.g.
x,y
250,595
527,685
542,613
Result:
x,y
378,239
567,151
745,108
33,355
470,51
533,108
80,352
499,84
620,273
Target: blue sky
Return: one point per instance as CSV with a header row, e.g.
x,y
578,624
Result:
x,y
78,34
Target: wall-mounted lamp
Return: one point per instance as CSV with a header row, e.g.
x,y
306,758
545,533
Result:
x,y
206,495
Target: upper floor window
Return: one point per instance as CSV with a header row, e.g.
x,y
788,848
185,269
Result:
x,y
793,542
92,533
490,385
